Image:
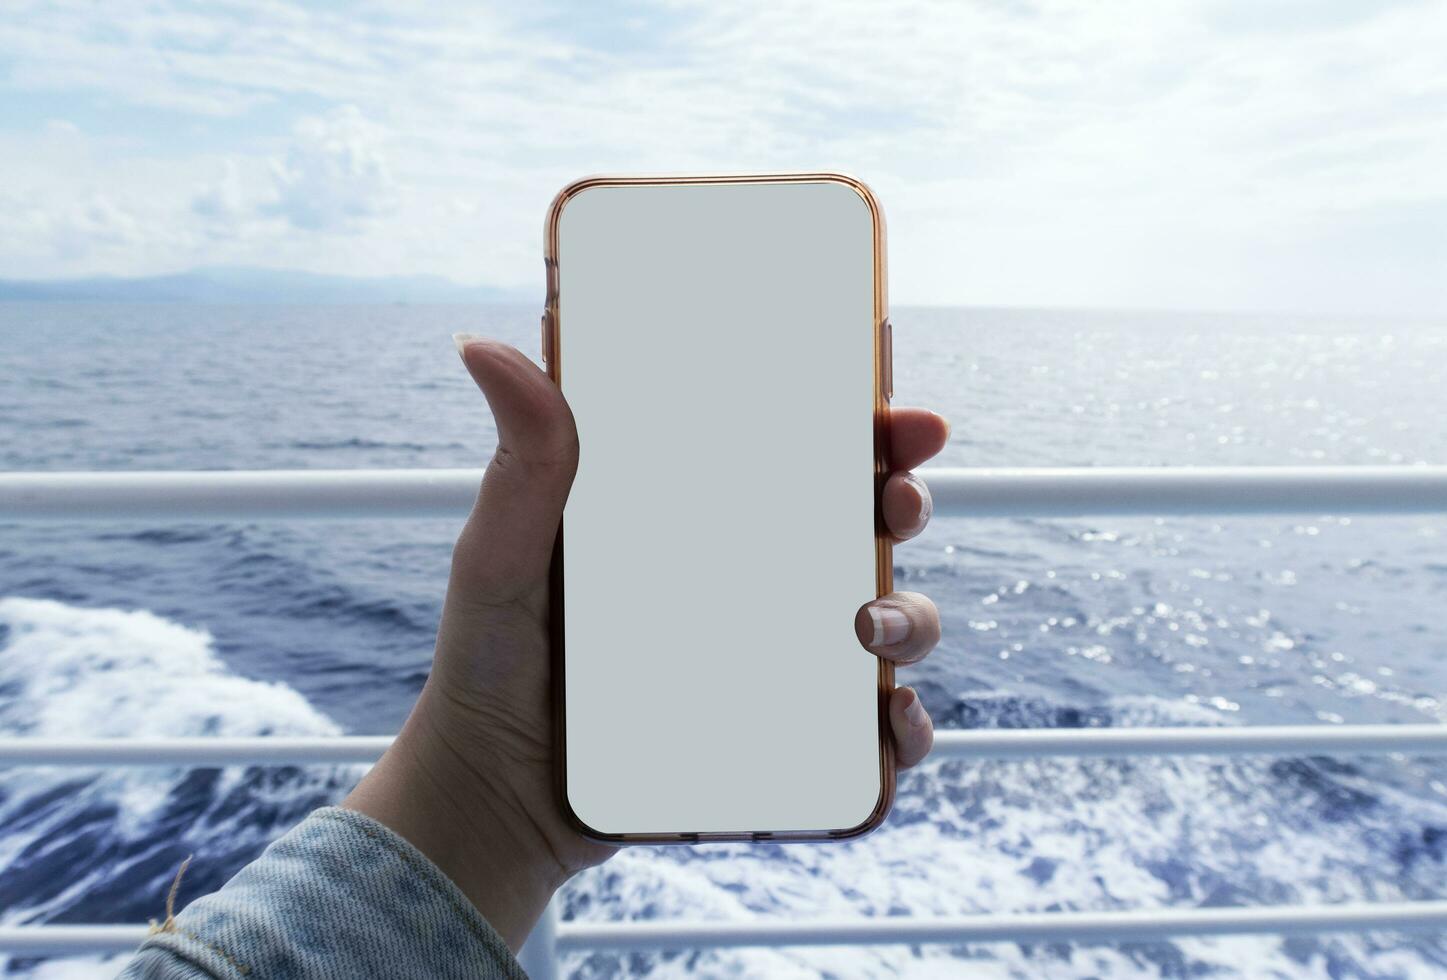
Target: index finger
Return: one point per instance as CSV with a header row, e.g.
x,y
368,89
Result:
x,y
915,435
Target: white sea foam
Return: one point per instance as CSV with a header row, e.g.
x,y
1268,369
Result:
x,y
1052,835
75,672
109,672
966,838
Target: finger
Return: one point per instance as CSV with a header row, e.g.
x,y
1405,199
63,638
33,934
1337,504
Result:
x,y
902,626
914,733
906,504
915,435
505,549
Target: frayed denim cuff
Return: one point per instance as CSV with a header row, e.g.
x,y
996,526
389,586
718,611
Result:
x,y
339,896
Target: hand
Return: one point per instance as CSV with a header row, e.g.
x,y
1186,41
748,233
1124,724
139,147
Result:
x,y
469,780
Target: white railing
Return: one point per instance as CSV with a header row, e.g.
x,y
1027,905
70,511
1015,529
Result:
x,y
169,497
1003,743
1132,925
225,495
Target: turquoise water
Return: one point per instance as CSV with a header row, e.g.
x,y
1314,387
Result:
x,y
326,628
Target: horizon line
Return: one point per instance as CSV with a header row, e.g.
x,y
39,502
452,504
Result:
x,y
510,295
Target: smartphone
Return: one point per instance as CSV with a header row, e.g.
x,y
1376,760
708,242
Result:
x,y
723,342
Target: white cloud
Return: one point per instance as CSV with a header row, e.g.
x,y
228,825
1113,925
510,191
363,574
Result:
x,y
85,228
335,174
61,127
220,203
1134,153
96,222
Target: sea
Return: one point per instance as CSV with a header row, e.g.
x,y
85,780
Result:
x,y
313,629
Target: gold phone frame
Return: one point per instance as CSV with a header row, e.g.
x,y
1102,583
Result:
x,y
883,546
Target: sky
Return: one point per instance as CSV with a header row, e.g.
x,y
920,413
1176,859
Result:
x,y
1280,156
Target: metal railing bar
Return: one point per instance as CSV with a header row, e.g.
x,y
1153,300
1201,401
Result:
x,y
169,496
1006,743
82,940
1007,927
197,751
1343,740
226,495
1164,491
1133,925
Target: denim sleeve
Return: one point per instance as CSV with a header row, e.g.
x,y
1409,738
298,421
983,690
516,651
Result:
x,y
339,896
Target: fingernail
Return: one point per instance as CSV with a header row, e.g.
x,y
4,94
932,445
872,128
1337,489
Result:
x,y
926,503
890,625
915,713
461,340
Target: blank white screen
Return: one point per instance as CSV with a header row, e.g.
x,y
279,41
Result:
x,y
717,347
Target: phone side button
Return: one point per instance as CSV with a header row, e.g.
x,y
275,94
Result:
x,y
887,360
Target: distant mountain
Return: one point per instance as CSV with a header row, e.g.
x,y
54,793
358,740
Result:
x,y
258,286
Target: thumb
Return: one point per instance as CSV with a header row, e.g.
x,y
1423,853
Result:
x,y
504,550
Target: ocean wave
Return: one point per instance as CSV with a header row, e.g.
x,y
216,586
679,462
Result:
x,y
93,845
1038,835
266,578
967,836
357,442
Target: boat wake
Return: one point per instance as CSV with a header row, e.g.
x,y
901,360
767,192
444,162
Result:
x,y
90,845
965,838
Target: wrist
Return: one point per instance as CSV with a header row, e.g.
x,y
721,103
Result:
x,y
456,812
